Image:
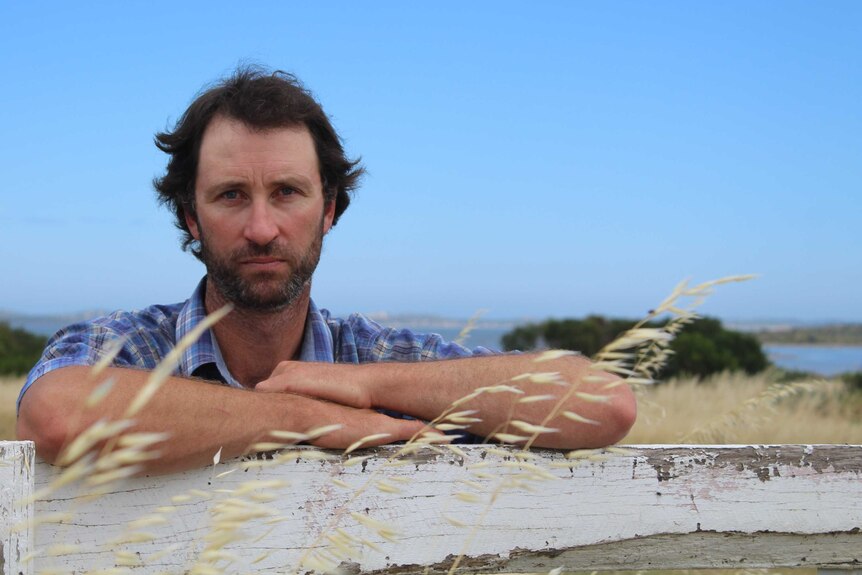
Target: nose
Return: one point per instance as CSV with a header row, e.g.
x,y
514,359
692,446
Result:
x,y
261,227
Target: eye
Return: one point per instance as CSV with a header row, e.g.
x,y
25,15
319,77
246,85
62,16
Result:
x,y
230,195
286,192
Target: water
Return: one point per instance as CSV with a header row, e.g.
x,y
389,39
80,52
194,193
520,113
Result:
x,y
824,360
485,337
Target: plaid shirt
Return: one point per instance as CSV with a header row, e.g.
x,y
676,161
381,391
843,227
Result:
x,y
151,333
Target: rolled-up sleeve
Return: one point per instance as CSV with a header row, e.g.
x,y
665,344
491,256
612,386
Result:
x,y
143,342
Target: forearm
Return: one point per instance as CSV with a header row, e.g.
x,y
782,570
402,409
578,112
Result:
x,y
427,389
200,417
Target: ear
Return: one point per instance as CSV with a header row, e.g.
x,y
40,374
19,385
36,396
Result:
x,y
328,215
192,223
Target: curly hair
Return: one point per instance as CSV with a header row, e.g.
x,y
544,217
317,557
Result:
x,y
261,100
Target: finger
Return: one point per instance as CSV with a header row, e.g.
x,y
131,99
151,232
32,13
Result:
x,y
405,429
270,385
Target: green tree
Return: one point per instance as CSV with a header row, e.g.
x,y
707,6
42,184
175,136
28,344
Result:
x,y
19,350
702,348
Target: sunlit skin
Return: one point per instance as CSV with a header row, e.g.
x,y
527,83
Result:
x,y
261,211
259,201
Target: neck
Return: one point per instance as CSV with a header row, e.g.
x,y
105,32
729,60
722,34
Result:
x,y
253,342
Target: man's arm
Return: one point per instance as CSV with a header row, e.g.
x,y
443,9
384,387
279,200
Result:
x,y
201,417
426,389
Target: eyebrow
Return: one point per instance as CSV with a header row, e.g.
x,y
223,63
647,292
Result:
x,y
292,180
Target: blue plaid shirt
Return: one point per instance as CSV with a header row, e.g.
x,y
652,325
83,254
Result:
x,y
151,333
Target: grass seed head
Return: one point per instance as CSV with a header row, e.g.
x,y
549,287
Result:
x,y
531,428
553,354
289,435
536,398
387,487
467,497
367,439
454,522
510,438
592,397
100,393
356,460
323,430
449,427
579,418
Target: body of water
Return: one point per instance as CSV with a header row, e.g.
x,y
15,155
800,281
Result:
x,y
826,360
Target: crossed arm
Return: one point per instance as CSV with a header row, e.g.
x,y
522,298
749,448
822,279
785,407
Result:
x,y
202,417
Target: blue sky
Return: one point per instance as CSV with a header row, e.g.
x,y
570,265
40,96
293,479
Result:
x,y
534,159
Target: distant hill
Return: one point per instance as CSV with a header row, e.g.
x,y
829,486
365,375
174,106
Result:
x,y
832,334
787,332
427,321
45,324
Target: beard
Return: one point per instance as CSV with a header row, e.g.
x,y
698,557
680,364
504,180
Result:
x,y
265,291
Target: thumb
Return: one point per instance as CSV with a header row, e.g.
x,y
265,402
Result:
x,y
267,385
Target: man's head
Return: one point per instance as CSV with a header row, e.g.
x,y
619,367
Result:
x,y
261,101
260,213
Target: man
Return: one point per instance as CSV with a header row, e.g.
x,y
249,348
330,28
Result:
x,y
256,177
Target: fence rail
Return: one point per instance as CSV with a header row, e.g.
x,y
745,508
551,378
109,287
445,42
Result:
x,y
650,507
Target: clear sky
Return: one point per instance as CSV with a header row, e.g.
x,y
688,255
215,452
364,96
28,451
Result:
x,y
535,158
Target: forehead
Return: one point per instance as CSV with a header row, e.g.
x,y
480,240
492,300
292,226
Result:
x,y
230,148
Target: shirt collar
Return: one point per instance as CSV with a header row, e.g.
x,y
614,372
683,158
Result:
x,y
202,351
317,343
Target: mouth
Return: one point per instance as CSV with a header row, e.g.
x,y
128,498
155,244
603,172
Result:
x,y
262,263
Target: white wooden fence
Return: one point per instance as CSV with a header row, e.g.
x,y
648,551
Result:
x,y
654,507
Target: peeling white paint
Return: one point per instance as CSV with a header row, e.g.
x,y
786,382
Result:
x,y
16,487
660,507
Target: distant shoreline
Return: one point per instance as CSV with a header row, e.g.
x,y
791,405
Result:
x,y
783,344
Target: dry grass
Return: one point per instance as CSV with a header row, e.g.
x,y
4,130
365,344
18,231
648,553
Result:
x,y
740,408
9,388
725,409
670,411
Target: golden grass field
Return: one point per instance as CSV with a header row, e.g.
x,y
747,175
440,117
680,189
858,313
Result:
x,y
725,409
9,388
671,412
738,408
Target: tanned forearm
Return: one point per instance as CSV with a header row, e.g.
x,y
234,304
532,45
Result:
x,y
426,389
444,381
201,417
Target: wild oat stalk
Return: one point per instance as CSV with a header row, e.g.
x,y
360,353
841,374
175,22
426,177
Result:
x,y
469,327
635,357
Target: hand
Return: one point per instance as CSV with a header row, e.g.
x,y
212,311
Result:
x,y
359,423
339,383
347,387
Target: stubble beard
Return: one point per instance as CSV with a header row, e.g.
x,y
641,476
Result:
x,y
258,293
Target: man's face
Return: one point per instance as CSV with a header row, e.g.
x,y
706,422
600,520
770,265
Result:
x,y
260,212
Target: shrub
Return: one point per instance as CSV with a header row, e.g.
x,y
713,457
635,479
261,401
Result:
x,y
853,380
702,348
19,349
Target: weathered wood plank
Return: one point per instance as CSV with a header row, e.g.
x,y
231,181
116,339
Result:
x,y
16,487
658,507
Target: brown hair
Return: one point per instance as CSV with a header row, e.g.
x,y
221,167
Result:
x,y
261,100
